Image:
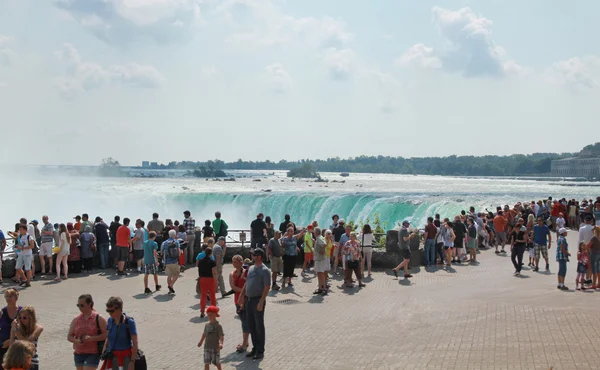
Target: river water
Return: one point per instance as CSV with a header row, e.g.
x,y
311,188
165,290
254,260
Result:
x,y
393,197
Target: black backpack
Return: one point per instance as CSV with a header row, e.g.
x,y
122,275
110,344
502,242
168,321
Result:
x,y
172,249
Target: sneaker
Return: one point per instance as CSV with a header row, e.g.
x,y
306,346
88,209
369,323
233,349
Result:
x,y
589,282
273,287
547,267
362,285
25,284
202,315
517,274
564,287
251,353
497,252
536,269
408,276
258,356
171,291
558,287
147,291
395,273
158,288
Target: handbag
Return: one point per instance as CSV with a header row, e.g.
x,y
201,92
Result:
x,y
140,357
352,264
99,344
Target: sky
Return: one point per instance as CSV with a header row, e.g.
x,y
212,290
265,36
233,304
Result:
x,y
171,80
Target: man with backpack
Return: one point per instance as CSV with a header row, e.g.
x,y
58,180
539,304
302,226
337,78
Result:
x,y
171,251
219,226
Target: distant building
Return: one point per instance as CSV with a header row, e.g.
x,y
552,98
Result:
x,y
587,165
145,164
153,164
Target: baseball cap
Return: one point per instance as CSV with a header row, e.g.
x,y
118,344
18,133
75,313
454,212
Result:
x,y
562,230
341,221
35,222
213,309
259,252
406,222
310,226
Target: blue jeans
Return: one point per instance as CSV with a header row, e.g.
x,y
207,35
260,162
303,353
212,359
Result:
x,y
429,254
103,255
256,324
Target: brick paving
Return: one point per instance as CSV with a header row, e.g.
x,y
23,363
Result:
x,y
476,317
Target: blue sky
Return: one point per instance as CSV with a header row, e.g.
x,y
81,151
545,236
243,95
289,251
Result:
x,y
165,80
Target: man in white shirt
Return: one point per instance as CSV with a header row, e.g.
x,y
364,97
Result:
x,y
586,232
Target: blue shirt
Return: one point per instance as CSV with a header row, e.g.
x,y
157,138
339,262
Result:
x,y
2,237
289,246
123,342
343,239
149,247
165,252
540,234
201,255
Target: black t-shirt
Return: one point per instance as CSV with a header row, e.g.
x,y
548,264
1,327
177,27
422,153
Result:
x,y
101,230
338,232
208,232
436,223
258,226
459,230
205,267
284,226
114,226
472,232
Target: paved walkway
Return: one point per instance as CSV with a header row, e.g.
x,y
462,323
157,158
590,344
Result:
x,y
475,317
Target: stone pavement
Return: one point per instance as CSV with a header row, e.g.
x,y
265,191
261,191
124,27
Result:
x,y
473,317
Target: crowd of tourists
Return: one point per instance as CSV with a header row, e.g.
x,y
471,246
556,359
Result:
x,y
149,249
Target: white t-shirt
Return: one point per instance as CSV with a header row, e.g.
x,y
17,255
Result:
x,y
366,240
586,232
31,231
560,222
25,239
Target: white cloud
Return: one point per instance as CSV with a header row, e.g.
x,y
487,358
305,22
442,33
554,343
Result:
x,y
340,63
420,55
576,73
6,54
470,49
120,21
82,76
279,81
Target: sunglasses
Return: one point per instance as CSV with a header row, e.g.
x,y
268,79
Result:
x,y
80,305
111,310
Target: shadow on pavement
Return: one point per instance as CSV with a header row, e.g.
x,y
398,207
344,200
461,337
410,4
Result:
x,y
198,320
244,362
142,296
163,297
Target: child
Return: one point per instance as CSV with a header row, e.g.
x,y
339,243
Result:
x,y
150,261
582,262
213,334
562,257
560,223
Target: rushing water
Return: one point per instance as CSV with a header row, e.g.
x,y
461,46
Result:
x,y
393,197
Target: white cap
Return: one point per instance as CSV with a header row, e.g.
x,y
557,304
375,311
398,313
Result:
x,y
562,230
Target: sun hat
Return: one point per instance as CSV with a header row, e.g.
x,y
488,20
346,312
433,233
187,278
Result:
x,y
213,309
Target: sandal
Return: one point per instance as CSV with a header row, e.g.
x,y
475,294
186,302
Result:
x,y
240,348
395,272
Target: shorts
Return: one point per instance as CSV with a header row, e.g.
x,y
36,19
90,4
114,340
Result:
x,y
276,264
405,253
458,243
242,316
138,254
446,247
595,262
500,237
581,268
562,268
46,249
540,249
24,262
308,257
86,360
212,356
472,243
322,266
172,269
150,269
122,254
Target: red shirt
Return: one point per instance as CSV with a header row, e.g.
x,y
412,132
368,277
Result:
x,y
239,281
86,326
431,230
555,210
123,235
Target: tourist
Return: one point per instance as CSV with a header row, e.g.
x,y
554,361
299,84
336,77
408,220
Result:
x,y
157,226
518,242
344,238
366,244
207,274
182,237
137,244
207,231
449,238
190,229
500,225
335,219
113,228
237,280
121,342
123,246
85,221
290,253
258,232
460,231
74,259
20,356
2,248
87,333
285,224
594,250
429,248
7,316
46,245
329,251
275,252
404,237
321,262
25,258
102,241
472,240
586,231
583,259
560,222
34,231
542,240
270,228
440,238
171,250
151,261
562,257
572,207
308,249
597,213
529,246
351,253
219,225
212,338
63,253
219,251
253,299
26,328
87,241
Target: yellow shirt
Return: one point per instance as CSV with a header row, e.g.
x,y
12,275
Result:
x,y
308,243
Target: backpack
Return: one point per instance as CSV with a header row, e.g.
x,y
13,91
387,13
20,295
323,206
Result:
x,y
140,357
172,249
